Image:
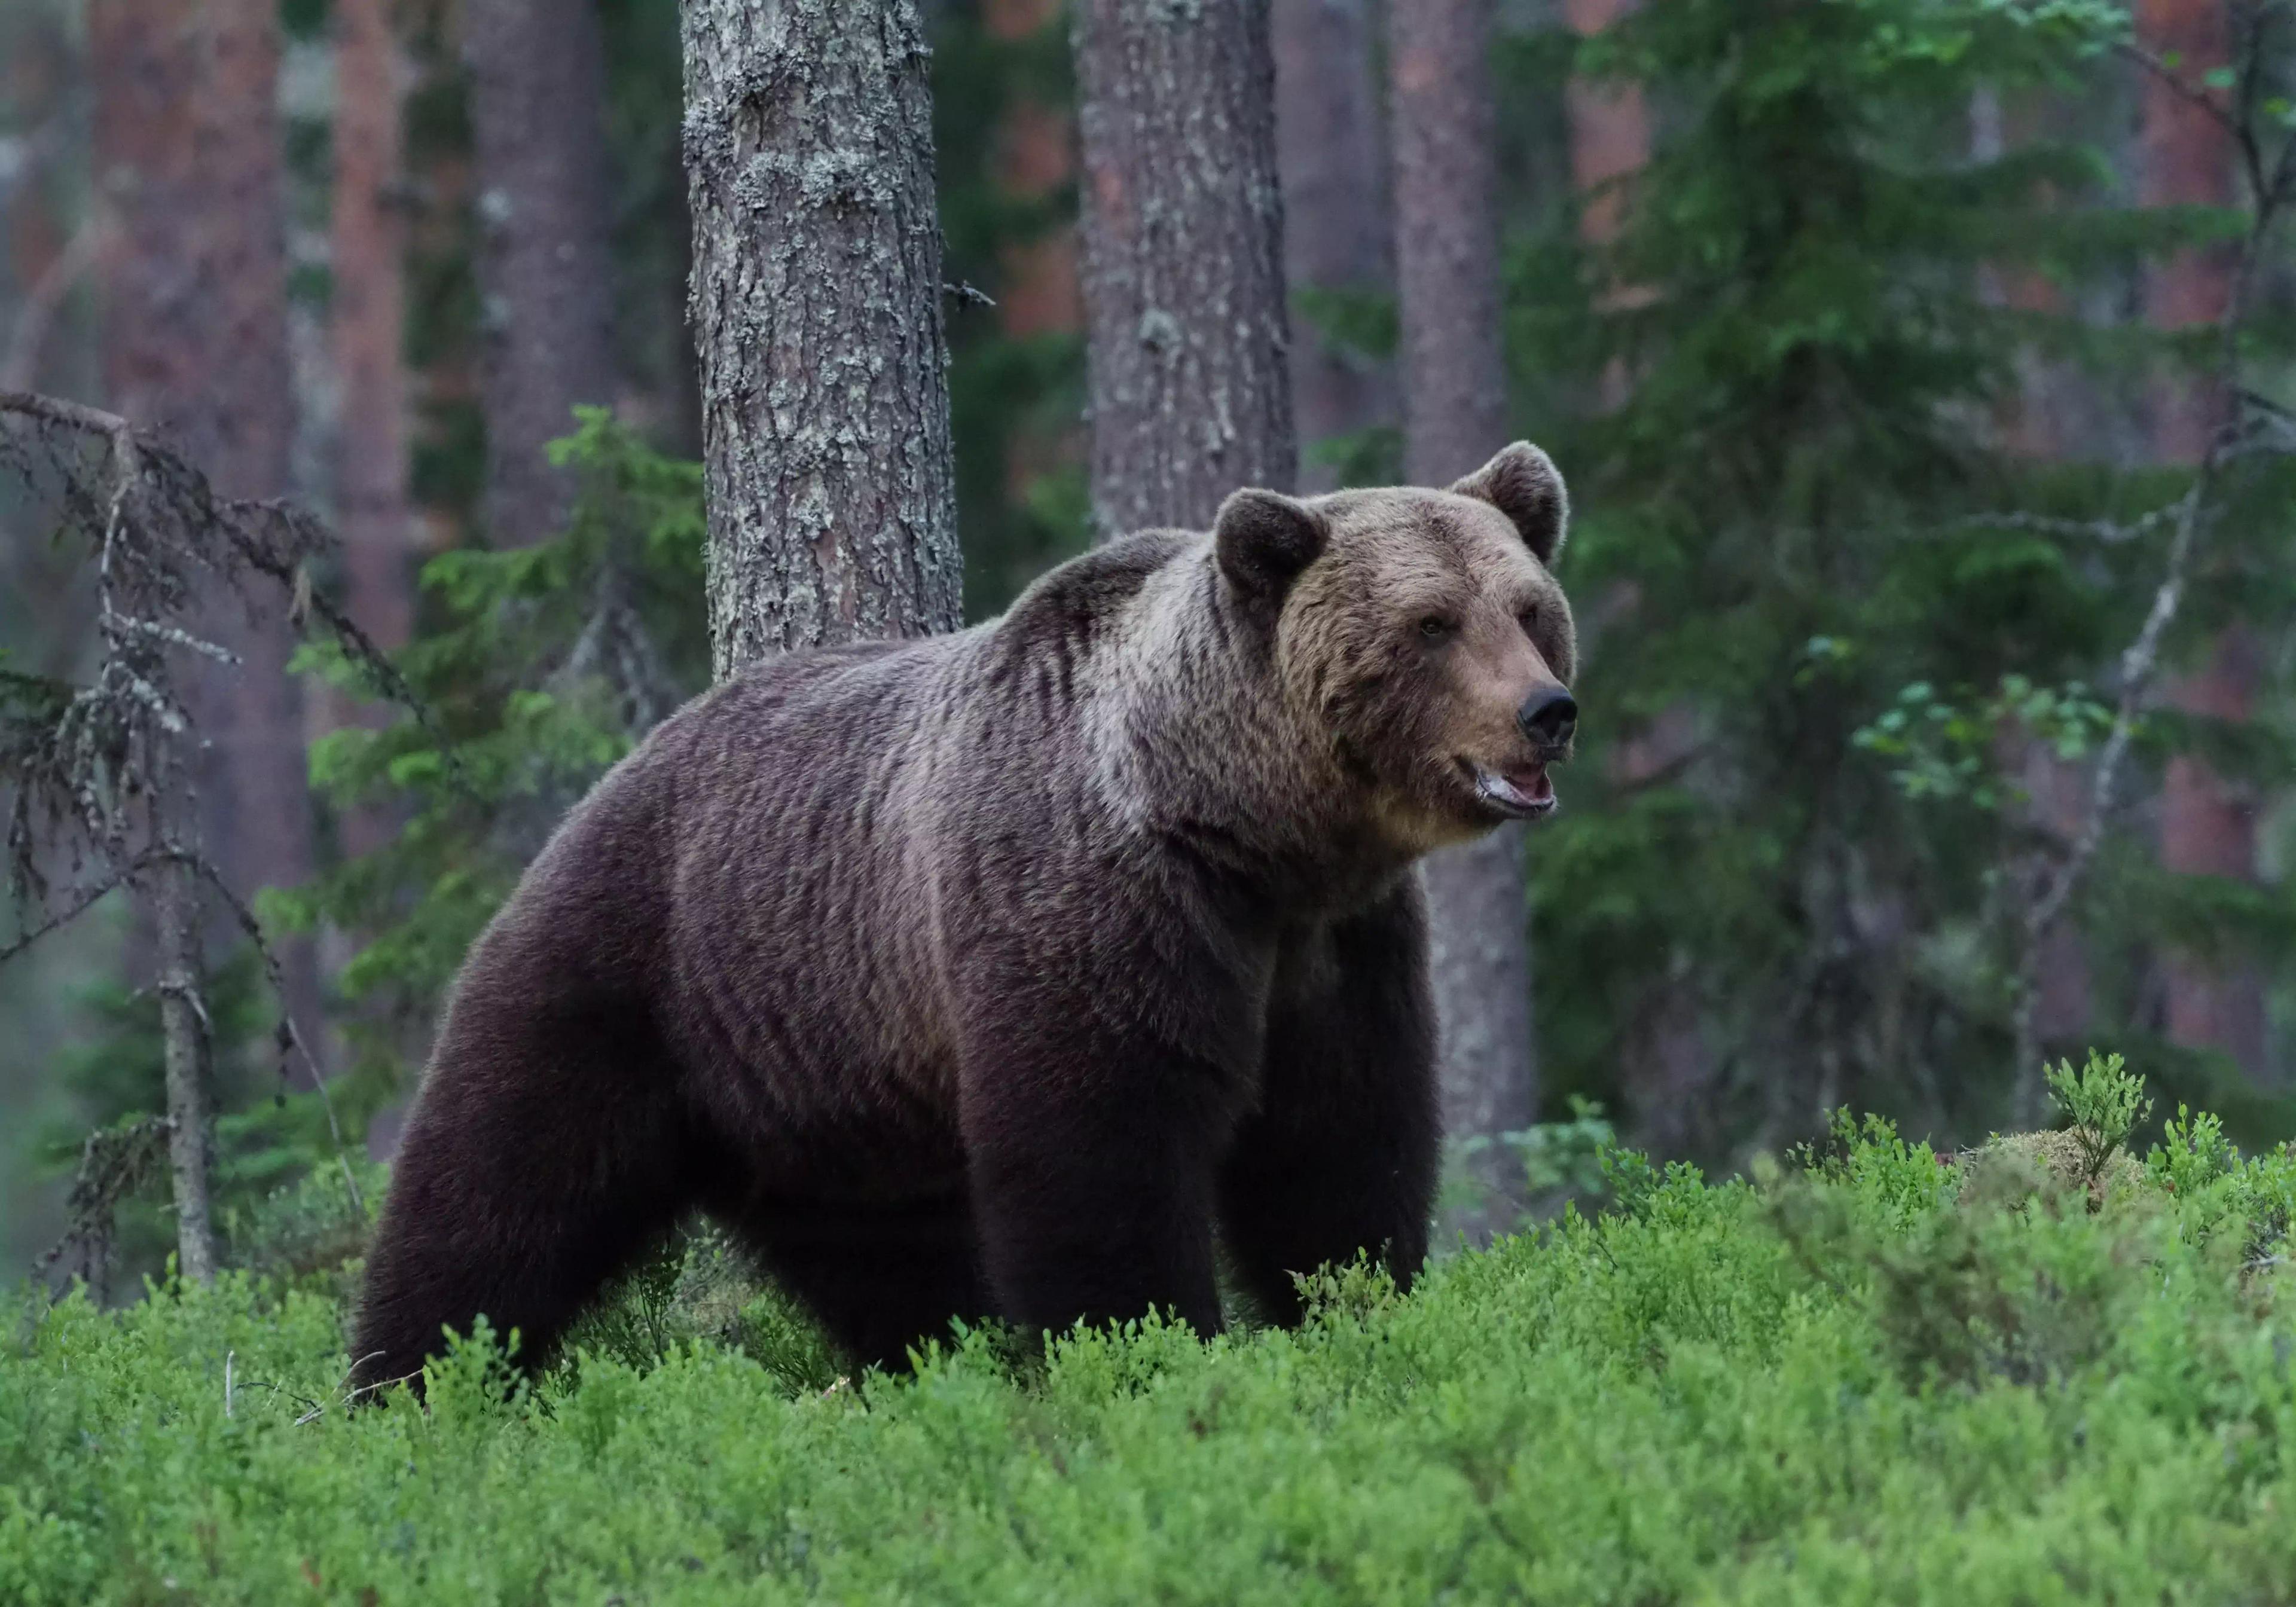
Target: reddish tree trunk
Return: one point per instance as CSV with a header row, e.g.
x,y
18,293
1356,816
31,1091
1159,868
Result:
x,y
1610,143
1455,403
1038,291
2030,417
1666,1068
1609,129
195,345
2033,424
1183,259
442,379
1337,228
368,308
538,89
2207,827
1455,415
1036,155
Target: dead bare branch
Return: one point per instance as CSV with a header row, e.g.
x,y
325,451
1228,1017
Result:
x,y
289,1037
2054,885
114,1163
98,771
77,908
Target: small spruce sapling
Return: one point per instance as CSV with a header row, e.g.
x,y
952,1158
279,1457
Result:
x,y
2105,1100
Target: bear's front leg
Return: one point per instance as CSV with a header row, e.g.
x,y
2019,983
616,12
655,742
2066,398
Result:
x,y
1341,1156
1091,1166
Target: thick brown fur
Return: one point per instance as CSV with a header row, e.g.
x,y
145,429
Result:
x,y
989,975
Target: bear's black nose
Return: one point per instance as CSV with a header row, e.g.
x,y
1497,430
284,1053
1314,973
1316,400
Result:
x,y
1549,715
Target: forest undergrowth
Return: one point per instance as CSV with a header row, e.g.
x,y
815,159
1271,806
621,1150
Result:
x,y
2051,1369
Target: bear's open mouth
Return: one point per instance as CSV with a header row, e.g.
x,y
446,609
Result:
x,y
1518,793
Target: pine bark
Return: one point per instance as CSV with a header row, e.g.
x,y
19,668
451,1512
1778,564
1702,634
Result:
x,y
1189,387
816,311
1337,229
537,98
1456,417
2208,825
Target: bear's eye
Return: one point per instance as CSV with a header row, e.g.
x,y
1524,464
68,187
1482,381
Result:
x,y
1528,619
1434,627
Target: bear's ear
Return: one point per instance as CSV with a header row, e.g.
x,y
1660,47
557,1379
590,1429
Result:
x,y
1264,539
1522,483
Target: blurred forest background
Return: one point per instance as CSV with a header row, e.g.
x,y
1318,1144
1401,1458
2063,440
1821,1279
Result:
x,y
1906,357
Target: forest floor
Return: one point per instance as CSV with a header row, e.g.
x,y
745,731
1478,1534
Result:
x,y
1866,1374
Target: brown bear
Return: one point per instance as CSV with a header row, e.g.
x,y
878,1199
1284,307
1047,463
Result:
x,y
988,975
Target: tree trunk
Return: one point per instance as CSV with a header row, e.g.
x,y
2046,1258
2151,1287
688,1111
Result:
x,y
1454,404
195,345
1035,156
372,516
2207,827
1667,1067
537,99
51,241
816,309
1609,141
44,262
1609,129
1037,290
1455,416
175,901
1189,389
369,311
1337,234
2034,423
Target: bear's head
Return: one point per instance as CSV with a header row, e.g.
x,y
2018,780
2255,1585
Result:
x,y
1422,635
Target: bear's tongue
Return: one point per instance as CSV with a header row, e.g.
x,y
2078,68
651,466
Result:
x,y
1532,782
1524,787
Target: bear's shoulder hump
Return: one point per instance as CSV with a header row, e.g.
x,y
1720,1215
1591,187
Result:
x,y
1072,601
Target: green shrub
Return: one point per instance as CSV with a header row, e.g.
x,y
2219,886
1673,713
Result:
x,y
1850,1379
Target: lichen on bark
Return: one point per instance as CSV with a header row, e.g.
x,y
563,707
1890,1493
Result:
x,y
1183,217
816,310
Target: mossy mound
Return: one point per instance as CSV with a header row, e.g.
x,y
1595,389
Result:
x,y
2015,1164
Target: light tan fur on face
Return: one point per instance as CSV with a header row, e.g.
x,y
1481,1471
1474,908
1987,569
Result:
x,y
1350,650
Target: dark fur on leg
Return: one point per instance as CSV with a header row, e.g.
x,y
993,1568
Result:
x,y
1095,1200
1341,1157
520,1192
882,1279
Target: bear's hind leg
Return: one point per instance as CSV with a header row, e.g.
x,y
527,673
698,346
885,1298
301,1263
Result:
x,y
542,1158
881,1279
